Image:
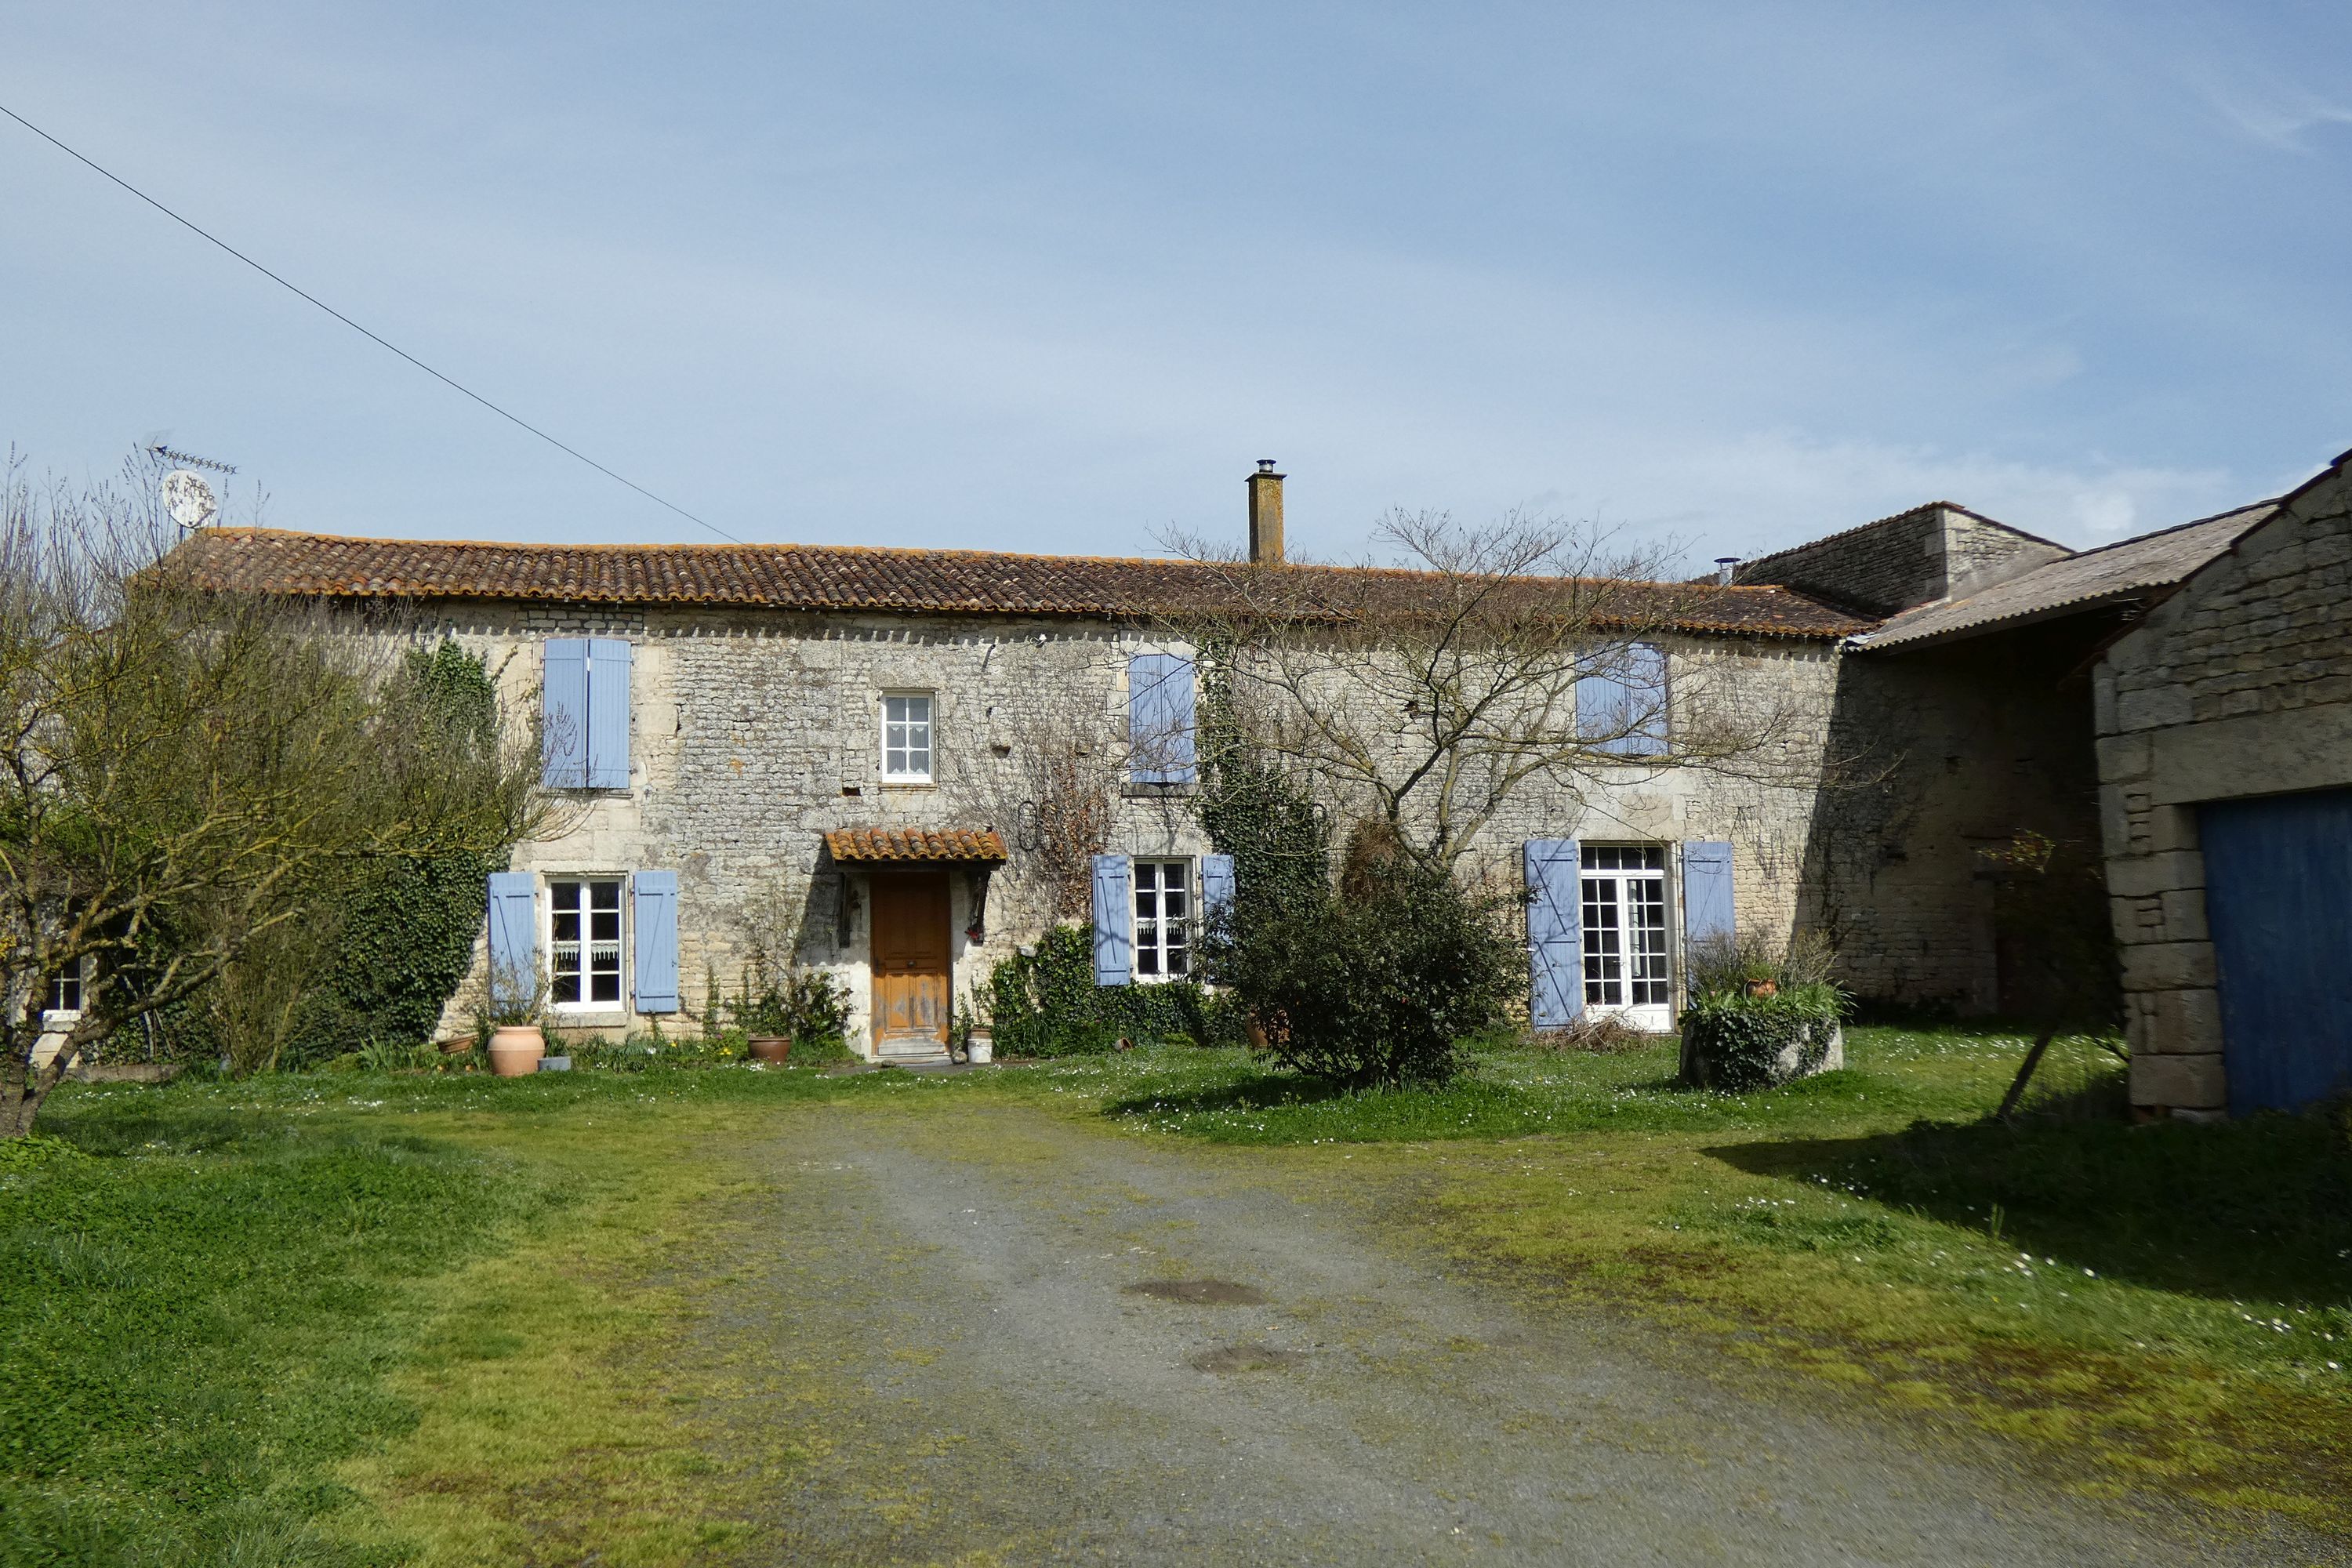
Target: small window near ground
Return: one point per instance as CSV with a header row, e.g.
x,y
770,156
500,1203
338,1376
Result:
x,y
1163,919
907,737
1627,966
583,943
64,990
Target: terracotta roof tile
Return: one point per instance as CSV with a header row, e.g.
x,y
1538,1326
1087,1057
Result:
x,y
871,844
844,578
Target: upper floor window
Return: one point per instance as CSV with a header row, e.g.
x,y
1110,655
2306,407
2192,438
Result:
x,y
1621,700
1160,720
585,713
64,990
907,737
584,946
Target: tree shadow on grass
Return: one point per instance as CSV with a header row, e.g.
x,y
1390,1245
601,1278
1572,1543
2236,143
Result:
x,y
2259,1207
1258,1092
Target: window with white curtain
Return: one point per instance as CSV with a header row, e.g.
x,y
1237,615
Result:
x,y
907,737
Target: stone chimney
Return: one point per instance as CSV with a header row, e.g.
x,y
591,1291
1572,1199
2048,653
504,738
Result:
x,y
1265,514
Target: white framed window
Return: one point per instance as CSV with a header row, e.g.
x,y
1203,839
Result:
x,y
1628,965
583,942
1163,919
906,737
66,992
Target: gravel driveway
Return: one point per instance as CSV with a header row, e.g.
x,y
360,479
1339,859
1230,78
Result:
x,y
1023,1339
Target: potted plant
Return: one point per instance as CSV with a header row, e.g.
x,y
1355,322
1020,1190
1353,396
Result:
x,y
516,1041
1756,1018
765,1018
802,1006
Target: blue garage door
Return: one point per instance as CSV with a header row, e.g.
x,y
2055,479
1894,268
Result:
x,y
2278,893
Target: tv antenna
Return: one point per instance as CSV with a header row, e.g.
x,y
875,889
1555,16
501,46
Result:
x,y
188,459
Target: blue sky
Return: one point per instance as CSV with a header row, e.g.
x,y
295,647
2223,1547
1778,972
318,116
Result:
x,y
1051,277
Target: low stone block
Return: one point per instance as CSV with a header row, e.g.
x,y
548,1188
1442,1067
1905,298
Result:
x,y
2179,1022
2180,1083
2135,875
2168,965
2184,914
2123,757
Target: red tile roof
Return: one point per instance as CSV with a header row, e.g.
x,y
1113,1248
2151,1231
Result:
x,y
870,844
838,577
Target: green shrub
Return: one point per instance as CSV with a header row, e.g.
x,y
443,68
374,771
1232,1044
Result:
x,y
1046,1004
1379,986
1733,1040
808,1006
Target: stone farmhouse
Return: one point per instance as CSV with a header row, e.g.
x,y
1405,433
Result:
x,y
836,755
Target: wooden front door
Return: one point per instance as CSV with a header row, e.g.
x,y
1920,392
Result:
x,y
910,955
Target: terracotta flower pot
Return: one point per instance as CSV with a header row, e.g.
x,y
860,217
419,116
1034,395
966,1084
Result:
x,y
771,1047
515,1049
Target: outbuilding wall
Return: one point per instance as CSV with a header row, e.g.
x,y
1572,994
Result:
x,y
2240,685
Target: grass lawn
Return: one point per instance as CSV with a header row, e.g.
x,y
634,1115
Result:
x,y
373,1318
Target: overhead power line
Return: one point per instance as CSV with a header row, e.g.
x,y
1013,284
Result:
x,y
313,299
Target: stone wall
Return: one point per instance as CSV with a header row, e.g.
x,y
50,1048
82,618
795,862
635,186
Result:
x,y
2240,684
754,732
1939,755
1914,558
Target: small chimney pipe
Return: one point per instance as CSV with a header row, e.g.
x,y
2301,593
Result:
x,y
1726,568
1265,514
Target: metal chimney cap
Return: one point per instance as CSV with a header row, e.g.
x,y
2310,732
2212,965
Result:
x,y
1265,465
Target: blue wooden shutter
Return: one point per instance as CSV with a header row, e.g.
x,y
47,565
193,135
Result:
x,y
563,710
1217,885
608,714
656,919
1176,705
1707,892
1160,718
1554,933
514,937
1114,919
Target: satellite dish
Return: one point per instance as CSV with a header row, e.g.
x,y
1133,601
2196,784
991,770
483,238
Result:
x,y
188,499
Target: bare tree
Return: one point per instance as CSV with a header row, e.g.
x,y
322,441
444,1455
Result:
x,y
188,769
1527,653
1060,794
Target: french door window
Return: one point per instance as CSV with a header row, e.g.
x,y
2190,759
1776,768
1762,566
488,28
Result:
x,y
1163,919
907,737
1628,970
583,943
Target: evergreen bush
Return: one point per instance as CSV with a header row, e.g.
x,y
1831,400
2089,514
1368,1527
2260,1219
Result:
x,y
1045,1004
1732,1040
404,929
1380,985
